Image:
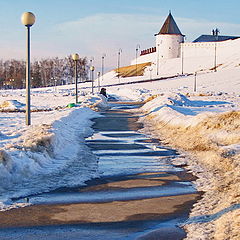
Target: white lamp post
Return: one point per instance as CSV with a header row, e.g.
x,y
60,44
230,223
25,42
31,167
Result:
x,y
91,61
103,56
91,64
92,71
182,56
195,82
157,58
137,49
28,19
216,32
150,73
98,74
119,55
75,58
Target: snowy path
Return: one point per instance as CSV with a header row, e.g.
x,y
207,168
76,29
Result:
x,y
139,195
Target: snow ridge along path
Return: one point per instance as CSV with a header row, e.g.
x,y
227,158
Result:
x,y
40,157
210,140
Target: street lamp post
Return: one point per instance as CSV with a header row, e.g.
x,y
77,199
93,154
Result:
x,y
157,58
119,54
103,56
92,77
216,32
137,49
75,58
98,74
150,73
215,57
91,64
195,82
182,57
91,60
28,19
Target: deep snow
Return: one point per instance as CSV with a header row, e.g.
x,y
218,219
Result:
x,y
39,158
203,124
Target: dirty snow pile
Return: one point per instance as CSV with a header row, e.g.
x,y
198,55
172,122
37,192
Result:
x,y
45,155
205,126
213,140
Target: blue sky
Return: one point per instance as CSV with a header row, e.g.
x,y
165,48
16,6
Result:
x,y
93,27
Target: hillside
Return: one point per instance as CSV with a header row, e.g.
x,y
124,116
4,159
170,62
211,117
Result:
x,y
132,70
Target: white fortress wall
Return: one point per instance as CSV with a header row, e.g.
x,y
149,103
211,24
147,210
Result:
x,y
201,56
169,67
223,49
196,57
145,58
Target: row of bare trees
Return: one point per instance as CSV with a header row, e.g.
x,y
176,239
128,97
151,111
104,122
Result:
x,y
45,72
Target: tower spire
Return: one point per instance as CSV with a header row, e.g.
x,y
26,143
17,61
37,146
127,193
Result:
x,y
170,26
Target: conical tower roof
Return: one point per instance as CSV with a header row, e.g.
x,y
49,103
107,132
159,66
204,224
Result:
x,y
170,26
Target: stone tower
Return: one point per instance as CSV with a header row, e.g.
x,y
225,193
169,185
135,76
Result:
x,y
168,40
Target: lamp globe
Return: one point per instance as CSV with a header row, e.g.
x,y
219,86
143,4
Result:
x,y
75,56
28,19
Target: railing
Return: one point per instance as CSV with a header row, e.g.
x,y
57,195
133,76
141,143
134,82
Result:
x,y
148,51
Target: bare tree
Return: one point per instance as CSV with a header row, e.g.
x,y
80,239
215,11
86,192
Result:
x,y
46,72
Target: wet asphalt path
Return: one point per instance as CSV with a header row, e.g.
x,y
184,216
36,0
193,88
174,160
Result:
x,y
139,194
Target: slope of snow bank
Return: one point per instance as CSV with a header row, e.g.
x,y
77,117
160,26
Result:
x,y
200,116
213,140
45,155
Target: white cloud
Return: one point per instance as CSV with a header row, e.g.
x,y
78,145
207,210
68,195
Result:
x,y
106,33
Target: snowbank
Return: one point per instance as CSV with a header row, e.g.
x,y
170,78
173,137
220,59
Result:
x,y
212,137
204,124
11,105
200,116
49,154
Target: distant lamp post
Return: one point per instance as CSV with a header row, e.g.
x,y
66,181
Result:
x,y
182,56
98,75
119,55
103,57
158,58
150,73
92,77
91,60
28,19
75,58
137,49
195,82
215,33
91,64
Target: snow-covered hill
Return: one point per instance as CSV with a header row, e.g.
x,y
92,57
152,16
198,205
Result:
x,y
199,115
